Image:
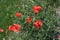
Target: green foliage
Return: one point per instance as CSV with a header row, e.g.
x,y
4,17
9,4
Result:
x,y
28,32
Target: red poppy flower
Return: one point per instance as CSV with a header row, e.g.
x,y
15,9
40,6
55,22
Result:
x,y
36,9
18,14
58,36
1,30
15,28
29,19
38,23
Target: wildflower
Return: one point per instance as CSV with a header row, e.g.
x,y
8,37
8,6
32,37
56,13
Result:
x,y
37,9
29,19
18,14
14,28
38,23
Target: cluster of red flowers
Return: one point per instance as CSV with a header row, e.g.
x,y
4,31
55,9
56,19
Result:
x,y
17,27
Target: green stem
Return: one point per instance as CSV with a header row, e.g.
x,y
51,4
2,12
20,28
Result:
x,y
6,35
